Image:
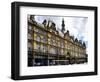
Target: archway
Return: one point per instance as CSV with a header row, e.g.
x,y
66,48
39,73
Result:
x,y
68,58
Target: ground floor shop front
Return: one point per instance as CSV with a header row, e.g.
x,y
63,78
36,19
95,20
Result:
x,y
41,59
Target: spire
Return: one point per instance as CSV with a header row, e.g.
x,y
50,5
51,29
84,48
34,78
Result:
x,y
63,26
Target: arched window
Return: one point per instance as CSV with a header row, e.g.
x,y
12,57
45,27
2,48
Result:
x,y
44,39
62,51
44,48
55,50
38,38
59,51
68,54
54,41
62,44
51,41
39,47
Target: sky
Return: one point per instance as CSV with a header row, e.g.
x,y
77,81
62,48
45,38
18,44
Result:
x,y
77,26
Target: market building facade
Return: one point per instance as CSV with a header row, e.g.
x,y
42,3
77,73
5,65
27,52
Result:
x,y
49,46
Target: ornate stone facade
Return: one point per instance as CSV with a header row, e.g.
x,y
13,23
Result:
x,y
49,46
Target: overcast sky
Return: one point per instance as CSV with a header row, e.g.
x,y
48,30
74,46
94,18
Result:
x,y
77,26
